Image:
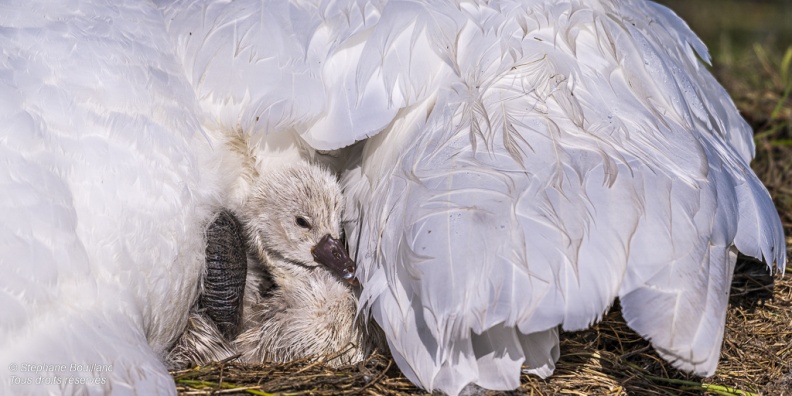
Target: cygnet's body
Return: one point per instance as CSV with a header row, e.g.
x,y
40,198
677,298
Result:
x,y
294,306
298,297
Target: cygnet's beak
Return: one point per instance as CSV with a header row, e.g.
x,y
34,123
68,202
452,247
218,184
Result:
x,y
331,253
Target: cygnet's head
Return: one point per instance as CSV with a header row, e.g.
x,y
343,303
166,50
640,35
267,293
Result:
x,y
294,215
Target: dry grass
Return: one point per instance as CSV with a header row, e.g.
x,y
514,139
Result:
x,y
610,359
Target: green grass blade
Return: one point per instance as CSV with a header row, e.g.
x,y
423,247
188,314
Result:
x,y
785,62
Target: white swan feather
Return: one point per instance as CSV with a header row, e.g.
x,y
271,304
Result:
x,y
105,195
578,152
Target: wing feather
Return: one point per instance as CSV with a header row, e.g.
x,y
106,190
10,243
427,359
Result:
x,y
569,155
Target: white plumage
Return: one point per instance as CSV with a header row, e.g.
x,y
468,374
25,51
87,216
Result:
x,y
537,161
530,162
105,192
574,152
571,153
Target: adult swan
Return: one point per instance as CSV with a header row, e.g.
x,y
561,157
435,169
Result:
x,y
530,162
525,163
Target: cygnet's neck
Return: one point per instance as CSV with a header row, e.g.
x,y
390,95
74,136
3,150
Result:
x,y
284,272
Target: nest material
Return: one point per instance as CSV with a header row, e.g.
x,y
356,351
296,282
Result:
x,y
608,359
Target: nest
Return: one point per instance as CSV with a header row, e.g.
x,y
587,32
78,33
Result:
x,y
608,359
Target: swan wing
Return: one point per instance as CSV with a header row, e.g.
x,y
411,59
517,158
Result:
x,y
576,152
275,66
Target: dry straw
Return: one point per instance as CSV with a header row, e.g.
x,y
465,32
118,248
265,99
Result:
x,y
608,359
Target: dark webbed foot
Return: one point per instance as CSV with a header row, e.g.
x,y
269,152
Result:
x,y
226,269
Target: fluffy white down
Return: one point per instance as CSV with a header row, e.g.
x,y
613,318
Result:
x,y
535,160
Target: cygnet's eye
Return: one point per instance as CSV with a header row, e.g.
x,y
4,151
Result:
x,y
302,222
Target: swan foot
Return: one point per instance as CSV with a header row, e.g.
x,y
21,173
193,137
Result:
x,y
226,271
